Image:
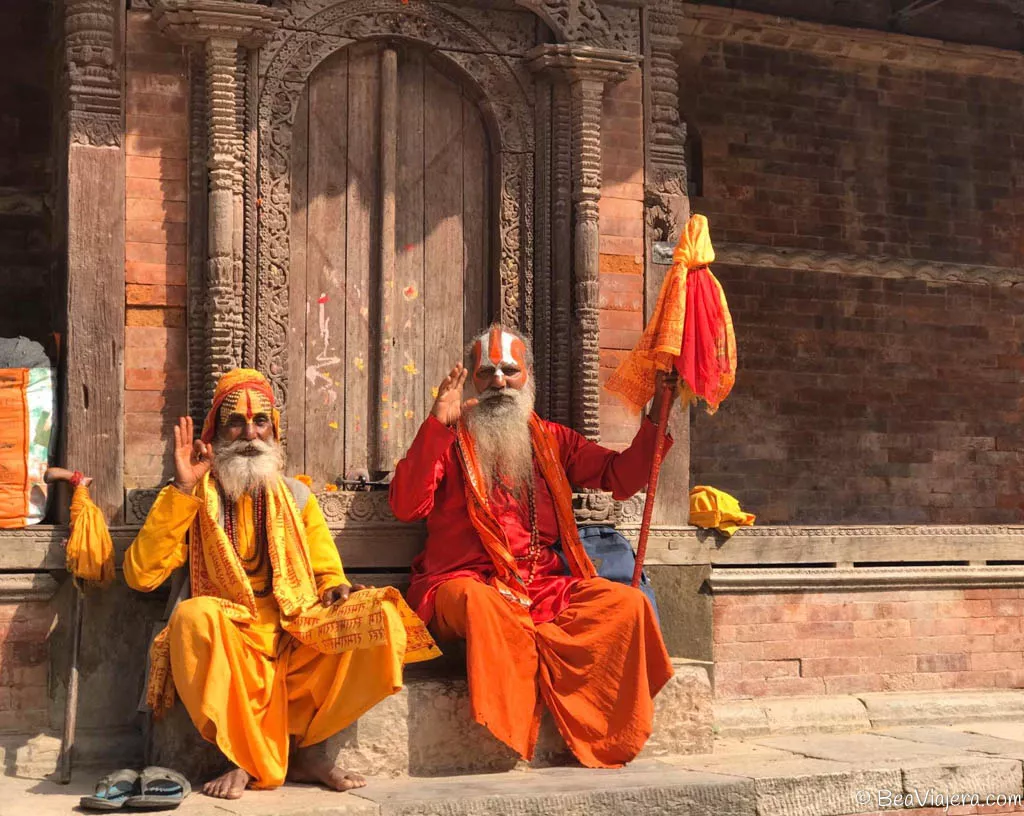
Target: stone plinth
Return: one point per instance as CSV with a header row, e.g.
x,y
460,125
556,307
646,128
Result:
x,y
427,730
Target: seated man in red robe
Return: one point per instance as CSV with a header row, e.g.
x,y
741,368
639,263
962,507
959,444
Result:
x,y
493,480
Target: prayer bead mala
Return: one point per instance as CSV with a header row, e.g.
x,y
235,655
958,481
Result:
x,y
533,553
255,564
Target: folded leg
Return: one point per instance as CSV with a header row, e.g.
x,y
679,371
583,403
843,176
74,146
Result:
x,y
501,659
602,661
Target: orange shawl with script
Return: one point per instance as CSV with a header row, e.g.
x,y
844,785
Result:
x,y
508,581
216,571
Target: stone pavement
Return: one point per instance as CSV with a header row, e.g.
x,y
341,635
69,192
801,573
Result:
x,y
787,775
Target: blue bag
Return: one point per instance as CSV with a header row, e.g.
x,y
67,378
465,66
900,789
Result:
x,y
613,557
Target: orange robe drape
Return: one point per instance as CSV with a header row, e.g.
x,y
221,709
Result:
x,y
587,648
253,671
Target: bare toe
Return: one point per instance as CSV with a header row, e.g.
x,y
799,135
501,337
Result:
x,y
230,785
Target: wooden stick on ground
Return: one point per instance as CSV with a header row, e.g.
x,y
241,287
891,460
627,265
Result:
x,y
67,741
665,410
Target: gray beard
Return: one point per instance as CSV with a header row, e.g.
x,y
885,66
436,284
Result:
x,y
239,474
500,427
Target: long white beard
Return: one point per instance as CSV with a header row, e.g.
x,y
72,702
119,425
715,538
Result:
x,y
239,473
500,427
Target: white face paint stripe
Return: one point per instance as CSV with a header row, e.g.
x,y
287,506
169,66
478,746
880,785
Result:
x,y
507,360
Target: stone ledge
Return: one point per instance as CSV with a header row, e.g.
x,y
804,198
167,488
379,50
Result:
x,y
840,579
874,266
28,586
36,756
384,544
847,42
775,716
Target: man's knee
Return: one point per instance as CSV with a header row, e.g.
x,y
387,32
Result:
x,y
619,596
463,594
196,615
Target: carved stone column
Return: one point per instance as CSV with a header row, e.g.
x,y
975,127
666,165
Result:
x,y
586,70
220,28
90,182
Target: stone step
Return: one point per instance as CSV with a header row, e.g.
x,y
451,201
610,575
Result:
x,y
811,775
427,730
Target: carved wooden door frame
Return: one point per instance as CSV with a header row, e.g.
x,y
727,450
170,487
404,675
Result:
x,y
506,91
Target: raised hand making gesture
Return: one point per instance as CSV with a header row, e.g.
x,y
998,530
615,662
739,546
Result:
x,y
192,459
448,406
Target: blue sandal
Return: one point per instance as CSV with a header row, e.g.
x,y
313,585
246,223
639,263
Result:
x,y
113,790
160,789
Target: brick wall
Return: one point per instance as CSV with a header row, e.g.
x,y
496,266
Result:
x,y
869,400
841,155
860,399
27,257
622,244
24,666
850,642
156,166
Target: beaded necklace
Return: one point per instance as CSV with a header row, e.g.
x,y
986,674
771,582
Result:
x,y
534,551
256,563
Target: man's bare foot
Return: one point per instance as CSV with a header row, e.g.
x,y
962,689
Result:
x,y
311,766
228,786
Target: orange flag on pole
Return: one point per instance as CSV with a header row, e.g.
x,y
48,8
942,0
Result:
x,y
690,330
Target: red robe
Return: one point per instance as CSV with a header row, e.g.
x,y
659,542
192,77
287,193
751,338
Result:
x,y
429,483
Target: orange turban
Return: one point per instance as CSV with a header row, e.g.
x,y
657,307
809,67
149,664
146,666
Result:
x,y
241,386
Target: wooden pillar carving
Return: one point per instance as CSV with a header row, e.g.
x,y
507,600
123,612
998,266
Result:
x,y
92,168
666,210
561,283
542,316
665,190
220,30
587,96
223,316
196,282
586,71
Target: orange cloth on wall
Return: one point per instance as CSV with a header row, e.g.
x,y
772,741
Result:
x,y
90,551
14,441
690,330
253,670
596,666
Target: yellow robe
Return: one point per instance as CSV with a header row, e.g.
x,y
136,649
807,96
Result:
x,y
247,683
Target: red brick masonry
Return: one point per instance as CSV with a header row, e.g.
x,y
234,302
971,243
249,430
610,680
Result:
x,y
848,642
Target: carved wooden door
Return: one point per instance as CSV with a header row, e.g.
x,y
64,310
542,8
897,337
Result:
x,y
390,270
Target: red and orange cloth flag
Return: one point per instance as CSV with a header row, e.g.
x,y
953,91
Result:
x,y
690,330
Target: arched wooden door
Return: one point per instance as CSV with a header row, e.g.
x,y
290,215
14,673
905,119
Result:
x,y
390,254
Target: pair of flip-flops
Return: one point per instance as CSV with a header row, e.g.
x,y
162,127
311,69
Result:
x,y
154,789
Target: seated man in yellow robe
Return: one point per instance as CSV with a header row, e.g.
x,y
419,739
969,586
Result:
x,y
274,650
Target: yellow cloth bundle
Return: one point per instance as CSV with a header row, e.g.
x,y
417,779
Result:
x,y
90,551
715,509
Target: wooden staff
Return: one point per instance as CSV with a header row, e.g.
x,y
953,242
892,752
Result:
x,y
664,411
67,740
